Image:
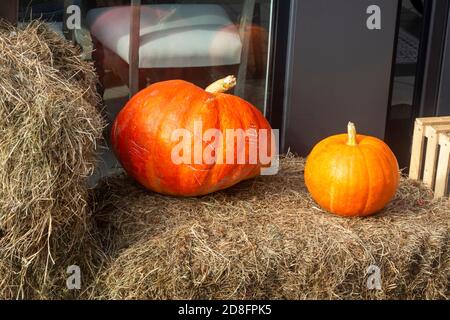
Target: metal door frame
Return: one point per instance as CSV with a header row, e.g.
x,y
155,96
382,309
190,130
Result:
x,y
432,88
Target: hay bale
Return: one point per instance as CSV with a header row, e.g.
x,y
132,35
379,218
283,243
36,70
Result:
x,y
266,238
49,127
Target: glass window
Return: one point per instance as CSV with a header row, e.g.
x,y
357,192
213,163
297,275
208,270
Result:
x,y
401,114
200,41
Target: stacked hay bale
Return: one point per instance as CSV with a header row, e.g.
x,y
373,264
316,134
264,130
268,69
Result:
x,y
266,238
49,128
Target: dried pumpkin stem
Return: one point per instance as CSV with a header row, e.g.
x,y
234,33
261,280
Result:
x,y
351,134
222,85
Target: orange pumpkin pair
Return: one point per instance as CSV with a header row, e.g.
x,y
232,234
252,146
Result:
x,y
347,174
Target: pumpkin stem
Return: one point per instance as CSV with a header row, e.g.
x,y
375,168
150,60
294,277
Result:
x,y
222,85
351,134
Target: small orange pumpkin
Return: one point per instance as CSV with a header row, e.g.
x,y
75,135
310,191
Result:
x,y
352,175
142,138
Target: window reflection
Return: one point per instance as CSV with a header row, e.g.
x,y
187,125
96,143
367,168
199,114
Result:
x,y
401,113
198,41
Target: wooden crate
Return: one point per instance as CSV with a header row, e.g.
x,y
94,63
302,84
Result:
x,y
430,154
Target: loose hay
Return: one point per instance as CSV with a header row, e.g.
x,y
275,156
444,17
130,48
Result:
x,y
266,238
49,127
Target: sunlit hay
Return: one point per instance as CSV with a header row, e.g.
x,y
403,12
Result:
x,y
49,130
266,238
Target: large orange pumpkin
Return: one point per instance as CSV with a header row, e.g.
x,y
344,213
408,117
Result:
x,y
352,175
143,138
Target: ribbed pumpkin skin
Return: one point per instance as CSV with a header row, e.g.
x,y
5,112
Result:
x,y
352,180
141,137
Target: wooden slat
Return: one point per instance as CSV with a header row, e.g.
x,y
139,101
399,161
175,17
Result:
x,y
444,138
443,166
437,161
432,133
135,28
433,121
430,160
415,166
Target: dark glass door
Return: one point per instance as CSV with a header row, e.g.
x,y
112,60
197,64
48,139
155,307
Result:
x,y
339,69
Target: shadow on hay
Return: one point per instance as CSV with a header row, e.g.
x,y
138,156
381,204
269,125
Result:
x,y
266,238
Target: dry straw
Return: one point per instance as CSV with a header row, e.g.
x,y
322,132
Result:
x,y
49,128
266,238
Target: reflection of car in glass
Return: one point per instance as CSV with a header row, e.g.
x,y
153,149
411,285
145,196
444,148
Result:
x,y
199,42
